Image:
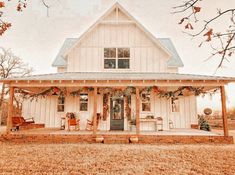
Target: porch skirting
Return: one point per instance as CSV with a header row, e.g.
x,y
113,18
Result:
x,y
46,138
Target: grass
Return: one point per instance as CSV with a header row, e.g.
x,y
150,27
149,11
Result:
x,y
116,159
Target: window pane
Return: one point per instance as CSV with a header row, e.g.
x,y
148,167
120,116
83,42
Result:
x,y
145,106
123,52
120,53
83,106
127,53
106,52
109,52
123,63
83,97
145,97
109,63
60,108
112,53
61,100
175,105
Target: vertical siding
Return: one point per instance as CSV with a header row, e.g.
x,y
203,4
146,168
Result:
x,y
187,114
145,55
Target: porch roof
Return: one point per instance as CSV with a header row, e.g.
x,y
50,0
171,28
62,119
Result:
x,y
117,76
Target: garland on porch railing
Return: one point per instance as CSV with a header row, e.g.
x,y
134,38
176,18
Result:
x,y
79,90
181,91
116,92
47,92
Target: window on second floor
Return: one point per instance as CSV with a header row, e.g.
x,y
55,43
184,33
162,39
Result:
x,y
116,58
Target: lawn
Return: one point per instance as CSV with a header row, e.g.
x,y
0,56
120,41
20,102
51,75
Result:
x,y
116,159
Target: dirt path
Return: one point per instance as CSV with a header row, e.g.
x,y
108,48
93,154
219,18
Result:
x,y
116,159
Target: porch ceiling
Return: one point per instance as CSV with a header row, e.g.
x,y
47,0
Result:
x,y
118,79
118,76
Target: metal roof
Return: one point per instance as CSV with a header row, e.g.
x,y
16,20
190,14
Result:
x,y
174,61
60,61
117,76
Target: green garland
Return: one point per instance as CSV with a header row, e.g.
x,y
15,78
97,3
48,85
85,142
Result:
x,y
78,91
118,92
48,92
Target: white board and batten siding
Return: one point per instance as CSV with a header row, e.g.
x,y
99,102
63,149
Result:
x,y
145,55
115,30
44,110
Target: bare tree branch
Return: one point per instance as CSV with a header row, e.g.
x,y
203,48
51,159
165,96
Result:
x,y
226,39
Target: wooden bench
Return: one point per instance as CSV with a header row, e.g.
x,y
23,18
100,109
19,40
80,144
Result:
x,y
19,123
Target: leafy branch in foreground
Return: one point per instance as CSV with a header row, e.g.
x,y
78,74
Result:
x,y
20,6
222,41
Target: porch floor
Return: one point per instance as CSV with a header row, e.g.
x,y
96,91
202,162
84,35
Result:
x,y
181,132
173,136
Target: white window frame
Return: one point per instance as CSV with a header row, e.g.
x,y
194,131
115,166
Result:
x,y
177,105
150,105
84,102
117,58
62,104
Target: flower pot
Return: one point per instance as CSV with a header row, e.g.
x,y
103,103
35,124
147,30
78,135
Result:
x,y
133,127
99,139
134,139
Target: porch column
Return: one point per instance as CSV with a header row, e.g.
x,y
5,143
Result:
x,y
10,109
224,111
95,111
137,111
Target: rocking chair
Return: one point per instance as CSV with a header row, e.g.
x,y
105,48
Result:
x,y
90,124
72,121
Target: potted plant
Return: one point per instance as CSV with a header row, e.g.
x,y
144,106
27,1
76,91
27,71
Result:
x,y
133,124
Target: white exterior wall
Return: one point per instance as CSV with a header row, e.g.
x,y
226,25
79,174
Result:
x,y
44,110
146,56
88,56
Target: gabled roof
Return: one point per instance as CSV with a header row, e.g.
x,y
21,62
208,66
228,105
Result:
x,y
165,44
119,6
60,61
174,61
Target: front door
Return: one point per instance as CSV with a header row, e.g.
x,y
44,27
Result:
x,y
117,114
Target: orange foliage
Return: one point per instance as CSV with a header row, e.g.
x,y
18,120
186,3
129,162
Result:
x,y
208,34
197,9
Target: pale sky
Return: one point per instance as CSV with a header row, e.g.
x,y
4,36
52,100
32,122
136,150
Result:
x,y
37,38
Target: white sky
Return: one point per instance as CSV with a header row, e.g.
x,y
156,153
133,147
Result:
x,y
37,38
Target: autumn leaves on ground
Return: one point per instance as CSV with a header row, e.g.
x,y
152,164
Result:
x,y
116,159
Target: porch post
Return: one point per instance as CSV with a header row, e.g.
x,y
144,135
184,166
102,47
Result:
x,y
95,111
137,111
224,111
10,109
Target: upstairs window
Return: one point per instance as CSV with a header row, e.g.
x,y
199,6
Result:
x,y
116,58
61,104
83,102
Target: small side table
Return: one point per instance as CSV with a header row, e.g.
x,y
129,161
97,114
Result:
x,y
62,123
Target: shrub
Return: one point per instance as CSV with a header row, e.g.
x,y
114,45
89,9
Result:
x,y
203,123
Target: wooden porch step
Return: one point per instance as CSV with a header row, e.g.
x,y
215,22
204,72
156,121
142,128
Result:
x,y
32,126
116,139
